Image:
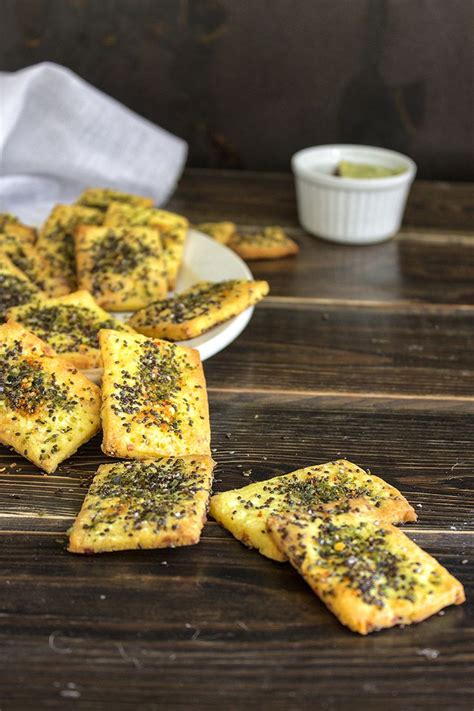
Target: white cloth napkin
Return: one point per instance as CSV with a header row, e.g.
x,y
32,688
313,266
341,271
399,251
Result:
x,y
60,135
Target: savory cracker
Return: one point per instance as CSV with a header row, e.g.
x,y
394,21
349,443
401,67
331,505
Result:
x,y
32,263
338,486
47,408
221,232
11,225
56,239
70,325
15,287
157,503
172,229
368,573
101,198
196,310
121,266
154,398
271,243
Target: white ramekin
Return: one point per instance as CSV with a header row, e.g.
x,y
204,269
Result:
x,y
350,210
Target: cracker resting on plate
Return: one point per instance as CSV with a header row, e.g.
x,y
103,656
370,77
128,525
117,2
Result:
x,y
156,503
101,198
15,287
154,398
368,573
47,408
338,486
194,311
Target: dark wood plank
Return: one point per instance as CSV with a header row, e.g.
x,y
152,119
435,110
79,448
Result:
x,y
309,347
268,198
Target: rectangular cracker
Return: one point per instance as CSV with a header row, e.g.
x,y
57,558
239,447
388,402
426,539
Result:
x,y
15,287
32,263
70,325
121,266
154,398
101,198
271,243
56,239
368,573
222,232
172,228
11,225
194,311
157,503
338,486
47,408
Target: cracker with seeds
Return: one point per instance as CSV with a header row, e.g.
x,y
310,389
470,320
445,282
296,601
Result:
x,y
27,258
157,503
171,227
56,240
121,266
47,408
11,225
271,243
221,232
101,198
368,573
338,486
196,310
15,287
70,325
154,398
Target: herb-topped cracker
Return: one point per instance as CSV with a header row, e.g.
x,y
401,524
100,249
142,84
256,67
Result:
x,y
11,225
156,503
271,243
369,574
196,310
220,231
47,408
15,287
70,325
172,229
121,266
100,198
338,486
56,239
154,398
32,263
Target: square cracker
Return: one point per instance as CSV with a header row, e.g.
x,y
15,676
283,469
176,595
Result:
x,y
100,198
15,287
337,486
154,398
271,243
27,258
47,408
194,311
171,227
121,266
156,503
56,239
368,573
70,325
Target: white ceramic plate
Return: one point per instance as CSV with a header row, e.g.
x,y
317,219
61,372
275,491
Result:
x,y
204,259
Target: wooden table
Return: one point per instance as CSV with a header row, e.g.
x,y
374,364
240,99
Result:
x,y
362,352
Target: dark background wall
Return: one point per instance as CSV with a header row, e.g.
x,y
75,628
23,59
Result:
x,y
248,82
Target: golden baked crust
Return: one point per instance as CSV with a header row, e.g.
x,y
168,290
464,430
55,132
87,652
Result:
x,y
47,408
15,287
338,486
70,325
32,263
369,574
154,398
271,243
101,198
121,266
11,225
196,310
157,503
171,227
56,239
220,231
